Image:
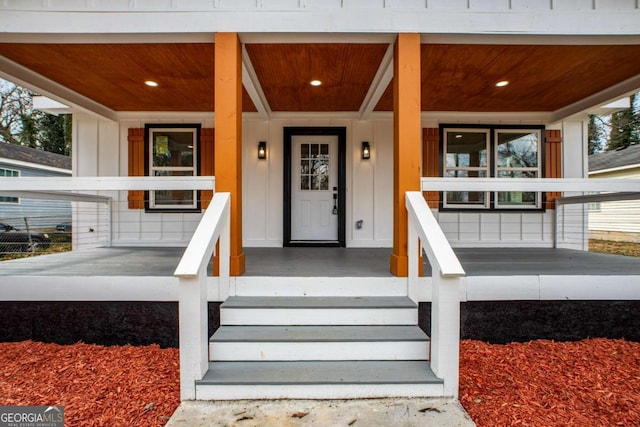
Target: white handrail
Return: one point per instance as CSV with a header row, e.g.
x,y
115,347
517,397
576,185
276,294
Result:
x,y
529,184
439,251
211,226
446,273
107,183
193,311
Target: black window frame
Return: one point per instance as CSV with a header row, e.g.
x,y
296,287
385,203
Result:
x,y
492,203
147,167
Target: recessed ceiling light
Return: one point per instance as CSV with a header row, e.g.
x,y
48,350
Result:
x,y
315,82
151,83
502,83
458,136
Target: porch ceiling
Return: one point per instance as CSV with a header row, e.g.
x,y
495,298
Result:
x,y
455,77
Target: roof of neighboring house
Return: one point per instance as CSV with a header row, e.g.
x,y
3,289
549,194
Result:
x,y
31,155
620,158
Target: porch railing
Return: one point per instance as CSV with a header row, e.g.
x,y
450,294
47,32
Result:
x,y
192,295
446,272
99,208
577,218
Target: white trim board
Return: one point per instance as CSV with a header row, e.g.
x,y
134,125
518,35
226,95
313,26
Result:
x,y
473,288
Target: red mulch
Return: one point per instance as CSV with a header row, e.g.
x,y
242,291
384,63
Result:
x,y
98,386
593,382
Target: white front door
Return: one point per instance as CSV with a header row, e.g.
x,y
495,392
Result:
x,y
314,188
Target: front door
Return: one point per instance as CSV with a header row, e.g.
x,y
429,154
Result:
x,y
314,187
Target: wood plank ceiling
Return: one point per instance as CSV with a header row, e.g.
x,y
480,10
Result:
x,y
542,78
454,77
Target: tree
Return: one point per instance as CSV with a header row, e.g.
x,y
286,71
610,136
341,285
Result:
x,y
596,133
55,133
19,124
15,105
617,130
625,126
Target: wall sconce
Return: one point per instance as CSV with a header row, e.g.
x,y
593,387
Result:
x,y
366,150
262,150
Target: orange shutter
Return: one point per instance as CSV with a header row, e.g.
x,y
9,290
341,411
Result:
x,y
136,165
431,162
207,164
552,161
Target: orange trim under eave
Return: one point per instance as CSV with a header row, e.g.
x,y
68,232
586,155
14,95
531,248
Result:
x,y
228,136
407,141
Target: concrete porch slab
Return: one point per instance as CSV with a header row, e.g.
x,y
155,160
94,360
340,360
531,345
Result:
x,y
409,412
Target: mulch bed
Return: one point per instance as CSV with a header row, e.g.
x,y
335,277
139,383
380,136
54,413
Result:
x,y
97,385
593,382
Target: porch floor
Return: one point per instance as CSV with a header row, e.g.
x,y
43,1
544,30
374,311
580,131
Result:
x,y
322,262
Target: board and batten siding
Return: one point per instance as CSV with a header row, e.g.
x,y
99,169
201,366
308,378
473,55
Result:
x,y
550,17
102,149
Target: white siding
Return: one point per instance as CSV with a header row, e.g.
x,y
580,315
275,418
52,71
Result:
x,y
552,17
497,229
619,216
205,5
101,148
369,183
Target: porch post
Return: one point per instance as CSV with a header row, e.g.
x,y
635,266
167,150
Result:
x,y
228,134
406,140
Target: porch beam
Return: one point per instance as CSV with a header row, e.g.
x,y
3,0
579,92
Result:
x,y
228,133
25,77
252,84
406,140
381,80
625,88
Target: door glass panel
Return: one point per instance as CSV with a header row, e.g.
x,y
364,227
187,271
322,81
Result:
x,y
314,167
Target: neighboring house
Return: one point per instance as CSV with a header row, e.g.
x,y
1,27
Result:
x,y
321,121
615,220
18,161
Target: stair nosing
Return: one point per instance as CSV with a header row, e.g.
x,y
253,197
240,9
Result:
x,y
277,334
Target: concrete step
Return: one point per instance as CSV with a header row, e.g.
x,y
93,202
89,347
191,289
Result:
x,y
234,343
318,380
238,310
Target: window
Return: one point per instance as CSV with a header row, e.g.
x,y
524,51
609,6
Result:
x,y
173,151
517,156
9,172
466,156
502,152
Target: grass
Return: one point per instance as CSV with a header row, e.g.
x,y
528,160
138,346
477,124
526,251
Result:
x,y
60,242
615,248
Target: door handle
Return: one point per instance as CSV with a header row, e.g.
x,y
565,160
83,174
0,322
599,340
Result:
x,y
335,201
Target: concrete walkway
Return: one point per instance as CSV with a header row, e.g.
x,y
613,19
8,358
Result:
x,y
396,412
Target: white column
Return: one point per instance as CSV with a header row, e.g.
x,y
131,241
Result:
x,y
193,318
573,219
445,330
